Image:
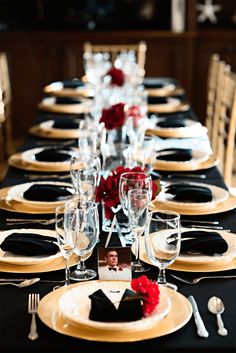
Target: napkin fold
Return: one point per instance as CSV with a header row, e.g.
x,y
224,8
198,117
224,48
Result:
x,y
174,122
189,193
175,154
66,123
29,244
102,309
157,100
207,243
52,155
72,83
67,100
47,192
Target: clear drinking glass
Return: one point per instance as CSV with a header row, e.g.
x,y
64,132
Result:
x,y
84,225
138,200
66,240
162,241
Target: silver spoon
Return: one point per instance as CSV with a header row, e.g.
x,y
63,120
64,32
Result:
x,y
25,283
216,306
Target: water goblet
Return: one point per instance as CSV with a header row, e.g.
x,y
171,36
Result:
x,y
138,200
162,241
66,240
84,225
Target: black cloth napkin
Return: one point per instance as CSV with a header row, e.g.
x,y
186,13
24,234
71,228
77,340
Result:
x,y
189,193
52,155
175,154
157,100
29,244
208,243
67,100
47,192
66,123
102,309
157,82
72,83
172,122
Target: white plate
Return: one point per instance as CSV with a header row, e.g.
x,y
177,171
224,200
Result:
x,y
11,258
189,125
202,259
198,156
219,195
29,156
16,193
75,306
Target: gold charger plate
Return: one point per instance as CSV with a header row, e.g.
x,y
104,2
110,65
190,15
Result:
x,y
212,161
48,105
190,267
227,205
69,92
167,108
60,134
49,312
16,161
165,91
21,207
178,133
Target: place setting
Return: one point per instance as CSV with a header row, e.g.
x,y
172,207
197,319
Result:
x,y
166,105
71,88
70,105
162,87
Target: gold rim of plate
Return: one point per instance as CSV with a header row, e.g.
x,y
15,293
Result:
x,y
190,267
16,161
212,161
21,207
49,313
64,108
168,108
227,205
178,133
69,92
62,134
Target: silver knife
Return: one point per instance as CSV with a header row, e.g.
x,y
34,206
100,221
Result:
x,y
201,329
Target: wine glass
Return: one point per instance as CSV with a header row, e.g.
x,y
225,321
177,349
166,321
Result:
x,y
138,200
128,181
66,240
162,241
84,225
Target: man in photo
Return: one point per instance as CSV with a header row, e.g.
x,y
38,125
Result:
x,y
111,269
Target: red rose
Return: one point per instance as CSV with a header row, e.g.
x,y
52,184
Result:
x,y
117,76
135,113
150,292
114,116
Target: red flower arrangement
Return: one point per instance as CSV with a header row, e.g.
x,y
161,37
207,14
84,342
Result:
x,y
114,117
148,291
117,76
108,189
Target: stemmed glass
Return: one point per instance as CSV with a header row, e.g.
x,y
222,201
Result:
x,y
84,225
162,241
66,239
138,200
129,181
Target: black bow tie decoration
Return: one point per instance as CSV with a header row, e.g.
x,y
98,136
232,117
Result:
x,y
112,268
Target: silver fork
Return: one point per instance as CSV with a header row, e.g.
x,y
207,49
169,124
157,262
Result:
x,y
198,279
14,221
33,302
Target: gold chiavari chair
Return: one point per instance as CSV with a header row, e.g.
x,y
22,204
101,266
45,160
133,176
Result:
x,y
114,49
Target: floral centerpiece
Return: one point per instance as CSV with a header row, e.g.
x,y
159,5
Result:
x,y
117,76
114,117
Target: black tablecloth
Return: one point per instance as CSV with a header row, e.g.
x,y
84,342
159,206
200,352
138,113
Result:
x,y
15,322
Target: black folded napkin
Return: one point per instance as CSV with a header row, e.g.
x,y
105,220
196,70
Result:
x,y
47,192
72,83
189,193
29,244
66,123
67,100
175,154
157,100
172,122
102,309
208,243
157,82
52,155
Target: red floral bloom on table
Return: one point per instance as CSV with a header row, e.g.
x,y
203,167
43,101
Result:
x,y
114,116
117,76
135,113
150,292
108,189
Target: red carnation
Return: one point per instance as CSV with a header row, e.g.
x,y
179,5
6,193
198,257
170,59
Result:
x,y
117,76
114,116
150,293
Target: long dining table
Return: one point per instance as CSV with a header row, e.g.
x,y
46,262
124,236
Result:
x,y
15,320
